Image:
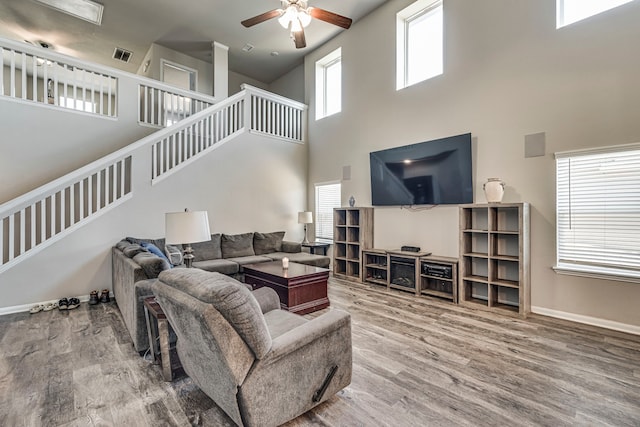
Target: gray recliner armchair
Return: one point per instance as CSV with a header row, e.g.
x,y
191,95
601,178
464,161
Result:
x,y
262,365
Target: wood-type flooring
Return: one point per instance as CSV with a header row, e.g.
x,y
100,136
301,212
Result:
x,y
416,362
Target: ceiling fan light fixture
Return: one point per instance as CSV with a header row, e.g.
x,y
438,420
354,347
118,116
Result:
x,y
288,16
305,18
296,25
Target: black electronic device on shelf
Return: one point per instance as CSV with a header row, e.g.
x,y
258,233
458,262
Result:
x,y
437,270
410,248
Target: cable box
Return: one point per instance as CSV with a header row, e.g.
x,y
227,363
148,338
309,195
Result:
x,y
437,270
410,248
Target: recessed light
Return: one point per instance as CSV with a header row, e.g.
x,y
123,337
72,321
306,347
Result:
x,y
84,9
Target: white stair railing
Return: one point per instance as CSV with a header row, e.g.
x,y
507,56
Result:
x,y
37,219
161,106
277,116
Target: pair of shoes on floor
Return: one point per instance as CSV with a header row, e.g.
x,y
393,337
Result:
x,y
104,297
68,304
43,307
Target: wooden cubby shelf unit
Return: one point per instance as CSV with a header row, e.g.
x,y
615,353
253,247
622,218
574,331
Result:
x,y
494,270
353,233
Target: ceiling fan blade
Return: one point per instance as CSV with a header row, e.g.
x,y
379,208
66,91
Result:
x,y
299,39
330,17
261,18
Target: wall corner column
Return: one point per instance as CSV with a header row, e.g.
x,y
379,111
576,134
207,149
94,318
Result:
x,y
220,56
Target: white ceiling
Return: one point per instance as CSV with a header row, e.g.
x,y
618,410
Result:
x,y
187,26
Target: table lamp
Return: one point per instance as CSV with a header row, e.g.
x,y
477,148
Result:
x,y
184,228
305,218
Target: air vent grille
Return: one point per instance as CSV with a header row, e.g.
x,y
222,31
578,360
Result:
x,y
122,54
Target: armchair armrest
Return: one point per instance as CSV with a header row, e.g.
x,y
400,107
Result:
x,y
307,333
267,298
291,247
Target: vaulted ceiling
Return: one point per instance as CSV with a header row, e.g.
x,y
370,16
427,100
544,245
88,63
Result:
x,y
187,26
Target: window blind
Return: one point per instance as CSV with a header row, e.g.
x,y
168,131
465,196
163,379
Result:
x,y
327,198
598,211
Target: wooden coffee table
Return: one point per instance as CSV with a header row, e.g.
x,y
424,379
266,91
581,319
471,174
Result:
x,y
302,288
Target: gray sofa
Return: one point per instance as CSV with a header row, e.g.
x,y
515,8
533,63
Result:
x,y
135,267
262,365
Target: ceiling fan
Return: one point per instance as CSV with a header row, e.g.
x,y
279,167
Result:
x,y
295,15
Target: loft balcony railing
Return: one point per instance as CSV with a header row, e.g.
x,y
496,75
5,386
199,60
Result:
x,y
41,76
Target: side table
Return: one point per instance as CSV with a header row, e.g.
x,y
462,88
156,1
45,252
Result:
x,y
159,331
315,247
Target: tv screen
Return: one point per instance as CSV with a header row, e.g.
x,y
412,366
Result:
x,y
435,172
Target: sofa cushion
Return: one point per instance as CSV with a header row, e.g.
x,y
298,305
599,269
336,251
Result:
x,y
232,300
122,244
152,264
133,249
264,243
222,266
302,258
237,245
242,261
210,249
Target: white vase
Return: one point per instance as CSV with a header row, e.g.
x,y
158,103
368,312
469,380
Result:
x,y
493,190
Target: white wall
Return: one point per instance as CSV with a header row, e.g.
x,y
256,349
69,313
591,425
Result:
x,y
290,85
250,183
508,72
236,79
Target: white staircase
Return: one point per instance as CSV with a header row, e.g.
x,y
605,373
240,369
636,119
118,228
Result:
x,y
199,125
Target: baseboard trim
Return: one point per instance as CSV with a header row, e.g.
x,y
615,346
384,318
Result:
x,y
27,307
587,320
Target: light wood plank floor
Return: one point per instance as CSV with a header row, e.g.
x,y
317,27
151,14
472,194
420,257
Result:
x,y
417,362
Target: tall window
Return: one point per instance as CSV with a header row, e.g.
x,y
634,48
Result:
x,y
598,212
419,52
570,11
329,84
327,198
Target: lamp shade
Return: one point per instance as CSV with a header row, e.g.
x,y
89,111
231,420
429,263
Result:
x,y
305,217
187,227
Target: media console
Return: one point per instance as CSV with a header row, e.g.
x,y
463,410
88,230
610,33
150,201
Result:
x,y
416,272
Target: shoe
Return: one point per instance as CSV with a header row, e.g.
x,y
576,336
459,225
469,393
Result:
x,y
36,309
63,304
50,306
104,297
73,303
93,298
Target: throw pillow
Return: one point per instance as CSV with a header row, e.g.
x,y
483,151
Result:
x,y
155,250
205,251
152,264
174,254
266,243
237,245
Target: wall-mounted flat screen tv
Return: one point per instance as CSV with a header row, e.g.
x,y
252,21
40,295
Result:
x,y
437,172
